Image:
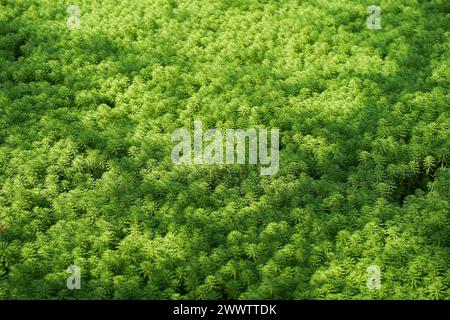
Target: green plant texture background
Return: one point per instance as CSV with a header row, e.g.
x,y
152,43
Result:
x,y
87,179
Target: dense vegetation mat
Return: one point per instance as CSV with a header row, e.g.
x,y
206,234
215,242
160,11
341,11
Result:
x,y
86,176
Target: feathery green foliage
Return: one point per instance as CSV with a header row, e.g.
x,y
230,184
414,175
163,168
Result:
x,y
86,177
